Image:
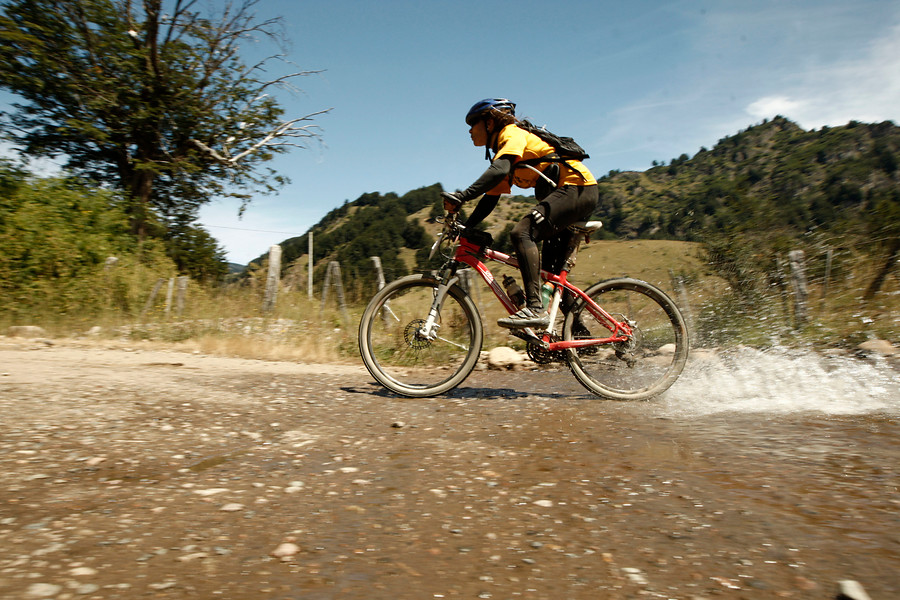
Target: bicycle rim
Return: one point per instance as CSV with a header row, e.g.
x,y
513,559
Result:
x,y
649,362
401,359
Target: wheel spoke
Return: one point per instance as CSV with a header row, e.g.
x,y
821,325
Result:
x,y
649,361
407,362
451,342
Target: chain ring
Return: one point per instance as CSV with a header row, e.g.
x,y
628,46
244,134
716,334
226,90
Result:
x,y
544,357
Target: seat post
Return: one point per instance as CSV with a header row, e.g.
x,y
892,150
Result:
x,y
582,230
572,252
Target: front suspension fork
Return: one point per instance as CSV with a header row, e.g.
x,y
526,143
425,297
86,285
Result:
x,y
429,329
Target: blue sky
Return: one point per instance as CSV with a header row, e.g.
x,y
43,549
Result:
x,y
633,82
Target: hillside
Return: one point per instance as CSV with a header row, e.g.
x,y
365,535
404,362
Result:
x,y
767,190
833,193
773,174
398,229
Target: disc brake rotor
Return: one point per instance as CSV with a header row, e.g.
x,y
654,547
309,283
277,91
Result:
x,y
626,350
412,337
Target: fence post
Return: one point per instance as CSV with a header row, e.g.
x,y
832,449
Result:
x,y
339,285
309,269
379,273
829,257
169,293
683,300
150,300
273,278
798,285
379,278
325,286
333,278
182,294
475,290
781,283
463,275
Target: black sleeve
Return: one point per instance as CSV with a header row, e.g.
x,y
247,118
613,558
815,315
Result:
x,y
482,210
497,172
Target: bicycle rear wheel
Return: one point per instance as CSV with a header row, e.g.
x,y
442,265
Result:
x,y
403,360
645,365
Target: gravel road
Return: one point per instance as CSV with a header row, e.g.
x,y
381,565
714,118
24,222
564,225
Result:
x,y
133,473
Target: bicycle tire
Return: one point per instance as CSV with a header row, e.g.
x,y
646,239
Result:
x,y
645,366
413,366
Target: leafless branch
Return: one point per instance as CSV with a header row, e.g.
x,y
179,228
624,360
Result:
x,y
278,137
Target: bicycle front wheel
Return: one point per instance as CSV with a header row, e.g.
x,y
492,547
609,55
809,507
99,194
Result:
x,y
398,353
647,363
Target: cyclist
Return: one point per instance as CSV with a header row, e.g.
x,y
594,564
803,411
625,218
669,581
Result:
x,y
566,193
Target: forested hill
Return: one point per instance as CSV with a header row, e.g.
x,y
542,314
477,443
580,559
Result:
x,y
771,187
772,175
385,225
374,224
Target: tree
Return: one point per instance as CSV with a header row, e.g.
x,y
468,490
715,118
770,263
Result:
x,y
157,104
195,252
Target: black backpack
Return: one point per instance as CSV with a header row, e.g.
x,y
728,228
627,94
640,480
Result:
x,y
566,148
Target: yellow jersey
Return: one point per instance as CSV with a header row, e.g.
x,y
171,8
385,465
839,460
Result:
x,y
523,145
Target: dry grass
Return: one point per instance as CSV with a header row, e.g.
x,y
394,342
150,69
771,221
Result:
x,y
230,322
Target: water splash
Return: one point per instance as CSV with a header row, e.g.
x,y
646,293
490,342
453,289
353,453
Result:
x,y
783,380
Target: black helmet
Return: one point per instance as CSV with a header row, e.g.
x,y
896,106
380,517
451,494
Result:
x,y
501,104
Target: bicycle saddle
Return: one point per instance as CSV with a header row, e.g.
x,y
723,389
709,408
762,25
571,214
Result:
x,y
586,226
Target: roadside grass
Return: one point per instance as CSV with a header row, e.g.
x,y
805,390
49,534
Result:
x,y
229,321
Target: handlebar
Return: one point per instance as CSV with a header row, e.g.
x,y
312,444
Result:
x,y
449,233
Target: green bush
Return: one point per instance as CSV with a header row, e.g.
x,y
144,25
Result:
x,y
66,250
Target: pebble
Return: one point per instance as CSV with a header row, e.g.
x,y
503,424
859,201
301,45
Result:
x,y
881,347
165,585
211,491
193,556
849,589
504,358
294,487
285,550
42,590
87,588
635,575
232,507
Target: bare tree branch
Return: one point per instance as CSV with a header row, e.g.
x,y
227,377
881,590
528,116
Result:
x,y
274,138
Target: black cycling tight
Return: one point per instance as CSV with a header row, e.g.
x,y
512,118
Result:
x,y
548,222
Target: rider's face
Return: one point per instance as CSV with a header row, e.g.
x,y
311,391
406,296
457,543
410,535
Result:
x,y
478,131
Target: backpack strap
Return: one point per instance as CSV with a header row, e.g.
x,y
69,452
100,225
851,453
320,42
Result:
x,y
531,163
539,172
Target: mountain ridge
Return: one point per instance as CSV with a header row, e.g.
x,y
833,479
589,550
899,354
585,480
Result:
x,y
769,187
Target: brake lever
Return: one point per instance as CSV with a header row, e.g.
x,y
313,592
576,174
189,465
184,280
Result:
x,y
436,244
449,221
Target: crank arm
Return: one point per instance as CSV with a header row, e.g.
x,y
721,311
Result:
x,y
530,337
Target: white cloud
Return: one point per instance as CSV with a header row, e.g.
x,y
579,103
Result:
x,y
770,106
864,89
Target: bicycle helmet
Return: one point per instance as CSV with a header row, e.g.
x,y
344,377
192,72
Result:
x,y
477,111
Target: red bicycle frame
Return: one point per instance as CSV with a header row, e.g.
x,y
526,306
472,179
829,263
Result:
x,y
470,254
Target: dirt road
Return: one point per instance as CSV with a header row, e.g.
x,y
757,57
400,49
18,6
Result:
x,y
151,474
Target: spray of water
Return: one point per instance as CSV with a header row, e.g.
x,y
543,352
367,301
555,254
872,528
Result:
x,y
782,380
